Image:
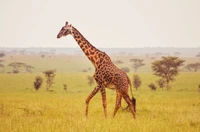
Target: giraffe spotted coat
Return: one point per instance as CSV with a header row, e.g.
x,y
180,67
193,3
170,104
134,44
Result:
x,y
107,75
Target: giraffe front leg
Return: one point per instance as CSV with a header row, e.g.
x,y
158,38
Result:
x,y
118,103
103,94
92,94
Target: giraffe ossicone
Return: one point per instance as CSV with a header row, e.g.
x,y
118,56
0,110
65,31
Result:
x,y
107,75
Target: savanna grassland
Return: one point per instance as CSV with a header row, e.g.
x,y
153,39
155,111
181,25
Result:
x,y
23,109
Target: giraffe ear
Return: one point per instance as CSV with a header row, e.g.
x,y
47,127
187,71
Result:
x,y
70,26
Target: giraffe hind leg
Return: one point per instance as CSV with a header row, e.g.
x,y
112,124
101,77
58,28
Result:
x,y
92,94
134,104
129,102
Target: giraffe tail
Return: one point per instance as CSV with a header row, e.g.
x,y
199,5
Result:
x,y
133,99
129,82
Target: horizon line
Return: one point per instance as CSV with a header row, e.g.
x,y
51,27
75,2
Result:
x,y
99,47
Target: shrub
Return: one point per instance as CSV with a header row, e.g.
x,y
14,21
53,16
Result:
x,y
136,81
42,56
152,86
65,87
38,82
199,87
2,54
90,80
84,70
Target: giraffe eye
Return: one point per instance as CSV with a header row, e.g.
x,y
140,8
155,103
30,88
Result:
x,y
64,28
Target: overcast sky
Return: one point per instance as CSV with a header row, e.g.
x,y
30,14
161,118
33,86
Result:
x,y
104,23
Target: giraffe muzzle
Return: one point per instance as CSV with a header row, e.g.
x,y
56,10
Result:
x,y
58,36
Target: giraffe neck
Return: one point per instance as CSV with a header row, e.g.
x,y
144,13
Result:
x,y
96,56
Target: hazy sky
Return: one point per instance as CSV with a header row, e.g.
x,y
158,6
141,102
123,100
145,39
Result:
x,y
104,23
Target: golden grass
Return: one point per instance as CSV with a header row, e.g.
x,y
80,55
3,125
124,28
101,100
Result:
x,y
24,109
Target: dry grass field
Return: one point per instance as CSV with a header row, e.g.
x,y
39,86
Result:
x,y
23,109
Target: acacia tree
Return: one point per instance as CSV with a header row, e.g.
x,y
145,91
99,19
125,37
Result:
x,y
167,68
28,68
136,64
16,66
49,75
193,67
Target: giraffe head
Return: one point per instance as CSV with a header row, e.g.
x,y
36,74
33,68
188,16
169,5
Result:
x,y
65,30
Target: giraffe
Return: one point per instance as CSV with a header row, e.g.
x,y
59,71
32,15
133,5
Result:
x,y
106,75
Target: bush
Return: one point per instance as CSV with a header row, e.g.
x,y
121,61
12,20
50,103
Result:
x,y
90,80
161,83
2,54
199,87
38,82
84,70
136,81
152,87
65,87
